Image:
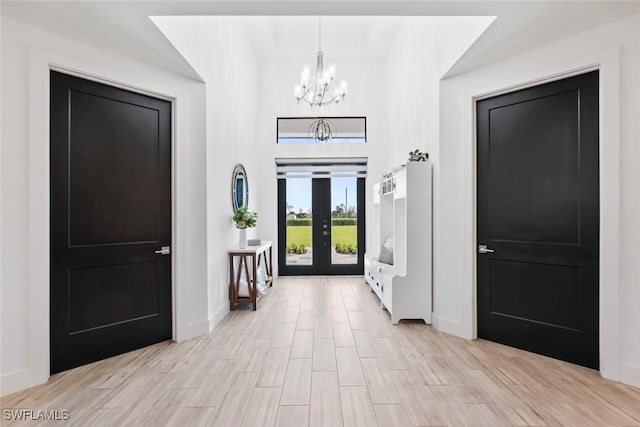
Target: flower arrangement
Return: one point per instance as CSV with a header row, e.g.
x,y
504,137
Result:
x,y
244,218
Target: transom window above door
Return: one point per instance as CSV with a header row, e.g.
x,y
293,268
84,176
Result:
x,y
320,130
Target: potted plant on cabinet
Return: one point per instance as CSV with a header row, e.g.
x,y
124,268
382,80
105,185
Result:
x,y
418,156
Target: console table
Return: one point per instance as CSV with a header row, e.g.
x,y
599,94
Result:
x,y
248,260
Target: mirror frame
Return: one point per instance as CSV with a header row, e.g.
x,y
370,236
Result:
x,y
239,170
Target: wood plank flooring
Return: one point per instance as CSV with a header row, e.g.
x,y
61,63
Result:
x,y
321,352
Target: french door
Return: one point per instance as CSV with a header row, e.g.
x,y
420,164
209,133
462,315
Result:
x,y
321,226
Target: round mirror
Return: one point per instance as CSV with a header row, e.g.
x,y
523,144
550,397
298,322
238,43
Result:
x,y
239,187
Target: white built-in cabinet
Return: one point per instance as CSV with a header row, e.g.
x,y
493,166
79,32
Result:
x,y
402,210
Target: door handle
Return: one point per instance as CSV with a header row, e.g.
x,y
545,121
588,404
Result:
x,y
165,250
483,249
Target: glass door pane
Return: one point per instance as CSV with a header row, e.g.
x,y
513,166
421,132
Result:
x,y
299,222
320,225
344,221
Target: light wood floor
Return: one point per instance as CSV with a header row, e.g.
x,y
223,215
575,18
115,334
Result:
x,y
320,352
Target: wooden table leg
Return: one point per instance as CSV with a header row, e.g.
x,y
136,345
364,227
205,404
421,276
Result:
x,y
232,305
242,262
254,291
270,267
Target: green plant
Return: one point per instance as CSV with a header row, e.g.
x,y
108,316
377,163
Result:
x,y
387,175
299,222
293,248
418,156
344,221
244,218
346,248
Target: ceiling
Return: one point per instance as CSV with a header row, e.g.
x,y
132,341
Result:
x,y
124,27
362,37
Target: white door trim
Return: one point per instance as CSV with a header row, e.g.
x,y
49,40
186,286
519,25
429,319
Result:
x,y
37,368
608,63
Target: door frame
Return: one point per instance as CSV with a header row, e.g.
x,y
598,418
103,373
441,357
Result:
x,y
316,269
61,362
119,85
585,338
607,63
41,63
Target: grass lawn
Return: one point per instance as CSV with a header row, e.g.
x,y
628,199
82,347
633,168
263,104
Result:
x,y
299,235
339,234
344,234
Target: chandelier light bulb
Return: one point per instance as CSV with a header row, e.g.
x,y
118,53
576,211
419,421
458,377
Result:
x,y
304,76
326,78
343,87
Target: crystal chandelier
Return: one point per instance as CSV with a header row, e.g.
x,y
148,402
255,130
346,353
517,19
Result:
x,y
319,90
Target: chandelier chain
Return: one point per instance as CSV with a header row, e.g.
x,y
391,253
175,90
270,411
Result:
x,y
319,33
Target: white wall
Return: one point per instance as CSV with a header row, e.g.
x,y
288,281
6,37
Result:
x,y
219,51
424,49
615,48
411,92
27,54
453,35
231,138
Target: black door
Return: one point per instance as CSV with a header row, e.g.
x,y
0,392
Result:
x,y
538,205
110,213
321,226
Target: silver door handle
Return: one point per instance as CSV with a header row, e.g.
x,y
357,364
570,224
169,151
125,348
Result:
x,y
483,249
165,250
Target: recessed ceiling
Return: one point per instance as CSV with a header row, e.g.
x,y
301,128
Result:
x,y
124,27
363,37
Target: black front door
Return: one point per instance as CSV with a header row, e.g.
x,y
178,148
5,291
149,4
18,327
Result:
x,y
538,216
110,213
321,226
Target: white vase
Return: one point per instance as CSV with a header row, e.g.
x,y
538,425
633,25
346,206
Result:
x,y
242,238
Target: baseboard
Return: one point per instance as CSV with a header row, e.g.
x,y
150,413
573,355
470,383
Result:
x,y
18,381
203,327
197,329
217,316
630,374
448,326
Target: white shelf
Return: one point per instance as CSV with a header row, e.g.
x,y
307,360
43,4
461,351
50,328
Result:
x,y
405,214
